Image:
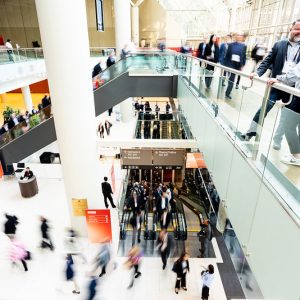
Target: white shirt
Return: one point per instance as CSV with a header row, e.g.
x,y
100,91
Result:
x,y
292,77
293,52
207,279
15,119
8,45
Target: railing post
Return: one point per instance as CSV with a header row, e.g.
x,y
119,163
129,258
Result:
x,y
220,84
261,122
191,68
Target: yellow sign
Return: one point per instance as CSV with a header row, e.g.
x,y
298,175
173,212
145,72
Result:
x,y
79,207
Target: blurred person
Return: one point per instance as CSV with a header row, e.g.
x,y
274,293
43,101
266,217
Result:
x,y
223,51
107,125
101,130
70,274
133,262
211,53
107,192
46,240
13,121
72,244
27,174
283,56
34,111
257,54
46,101
18,253
207,277
157,109
291,116
97,69
4,128
165,219
10,226
205,236
103,257
186,48
181,267
168,107
201,49
235,58
155,132
161,203
10,49
92,287
111,60
124,51
164,246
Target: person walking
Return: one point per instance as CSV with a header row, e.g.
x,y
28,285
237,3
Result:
x,y
111,60
164,246
205,236
70,274
10,226
207,277
133,262
9,50
18,253
235,58
107,192
285,55
46,241
181,267
223,51
107,125
291,116
211,53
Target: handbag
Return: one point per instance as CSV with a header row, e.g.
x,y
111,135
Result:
x,y
28,256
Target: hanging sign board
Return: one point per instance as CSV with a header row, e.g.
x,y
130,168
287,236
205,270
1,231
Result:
x,y
136,158
99,15
169,159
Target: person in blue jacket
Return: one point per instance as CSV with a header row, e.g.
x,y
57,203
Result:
x,y
223,51
235,58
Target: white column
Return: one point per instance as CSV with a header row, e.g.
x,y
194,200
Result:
x,y
63,27
27,97
126,110
135,25
232,27
122,24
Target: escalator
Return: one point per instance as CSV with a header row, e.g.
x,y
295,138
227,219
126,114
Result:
x,y
117,84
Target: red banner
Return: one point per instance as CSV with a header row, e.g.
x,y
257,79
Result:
x,y
194,161
1,171
98,225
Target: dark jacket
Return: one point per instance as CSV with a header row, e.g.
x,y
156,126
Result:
x,y
44,229
159,202
237,49
10,226
200,50
46,101
131,204
223,51
178,267
11,123
28,174
106,188
208,52
275,59
110,61
97,70
69,268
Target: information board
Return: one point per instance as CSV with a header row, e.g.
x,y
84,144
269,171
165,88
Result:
x,y
136,158
79,207
98,225
168,159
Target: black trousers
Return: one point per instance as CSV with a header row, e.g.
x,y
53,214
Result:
x,y
164,257
109,197
205,292
180,281
24,264
208,79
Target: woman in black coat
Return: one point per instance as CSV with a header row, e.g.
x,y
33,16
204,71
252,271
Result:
x,y
181,267
10,226
211,53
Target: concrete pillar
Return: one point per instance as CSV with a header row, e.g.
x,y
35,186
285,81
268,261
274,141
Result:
x,y
27,97
72,99
3,98
126,110
122,24
135,25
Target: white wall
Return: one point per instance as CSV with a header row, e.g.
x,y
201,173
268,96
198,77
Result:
x,y
270,236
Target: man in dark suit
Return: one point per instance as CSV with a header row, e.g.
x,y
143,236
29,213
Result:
x,y
46,101
235,58
13,121
284,55
201,49
223,51
111,59
107,192
165,219
97,70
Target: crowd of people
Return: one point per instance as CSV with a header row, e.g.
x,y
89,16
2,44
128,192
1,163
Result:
x,y
23,118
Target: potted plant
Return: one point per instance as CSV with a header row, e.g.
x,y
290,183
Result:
x,y
34,120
